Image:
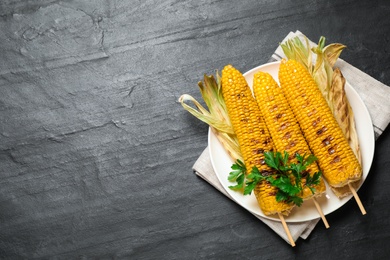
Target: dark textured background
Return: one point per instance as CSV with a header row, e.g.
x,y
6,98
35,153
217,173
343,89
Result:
x,y
96,153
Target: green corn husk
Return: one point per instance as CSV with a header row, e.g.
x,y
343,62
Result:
x,y
294,49
323,69
332,85
216,116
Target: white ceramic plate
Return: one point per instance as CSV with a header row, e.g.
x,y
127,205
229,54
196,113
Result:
x,y
221,161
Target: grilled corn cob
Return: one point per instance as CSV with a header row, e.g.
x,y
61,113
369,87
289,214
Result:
x,y
252,135
336,159
282,125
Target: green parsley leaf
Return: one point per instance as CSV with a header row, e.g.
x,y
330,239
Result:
x,y
284,184
309,160
313,180
285,158
296,200
250,186
237,175
281,196
252,180
240,183
271,160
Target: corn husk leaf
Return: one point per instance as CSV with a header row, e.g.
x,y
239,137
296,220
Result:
x,y
343,111
216,116
344,191
204,115
348,126
326,56
294,49
332,52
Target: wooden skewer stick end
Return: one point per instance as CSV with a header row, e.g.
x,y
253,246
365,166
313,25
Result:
x,y
356,196
292,242
321,213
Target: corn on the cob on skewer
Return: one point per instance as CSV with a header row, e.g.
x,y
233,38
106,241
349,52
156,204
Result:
x,y
336,159
282,125
252,135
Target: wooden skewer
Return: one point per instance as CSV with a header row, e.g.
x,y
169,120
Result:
x,y
292,242
357,199
321,213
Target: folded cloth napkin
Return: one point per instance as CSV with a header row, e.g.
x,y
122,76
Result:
x,y
372,92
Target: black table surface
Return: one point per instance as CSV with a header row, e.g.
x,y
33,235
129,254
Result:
x,y
97,154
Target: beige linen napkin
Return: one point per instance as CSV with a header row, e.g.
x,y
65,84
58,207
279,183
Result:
x,y
375,96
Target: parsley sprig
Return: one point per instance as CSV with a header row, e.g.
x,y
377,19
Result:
x,y
287,177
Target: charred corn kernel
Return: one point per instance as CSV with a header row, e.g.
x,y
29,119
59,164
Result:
x,y
336,159
252,135
282,125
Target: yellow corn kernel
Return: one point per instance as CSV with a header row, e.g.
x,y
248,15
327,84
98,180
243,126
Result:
x,y
252,135
336,159
282,125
